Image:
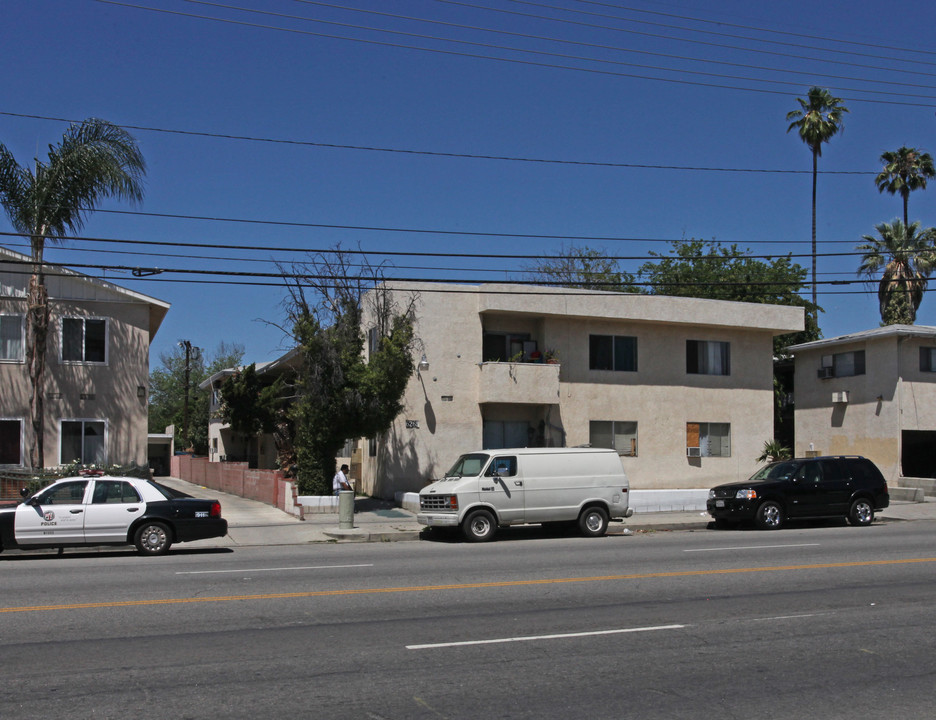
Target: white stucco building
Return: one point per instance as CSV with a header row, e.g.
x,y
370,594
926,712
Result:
x,y
870,393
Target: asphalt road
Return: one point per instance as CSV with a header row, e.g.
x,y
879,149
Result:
x,y
817,621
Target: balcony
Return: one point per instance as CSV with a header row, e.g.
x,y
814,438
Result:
x,y
518,383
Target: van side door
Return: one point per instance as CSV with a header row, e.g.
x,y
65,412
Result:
x,y
502,486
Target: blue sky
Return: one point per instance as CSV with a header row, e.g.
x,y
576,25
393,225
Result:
x,y
640,100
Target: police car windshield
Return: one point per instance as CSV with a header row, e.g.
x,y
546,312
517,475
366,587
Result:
x,y
469,465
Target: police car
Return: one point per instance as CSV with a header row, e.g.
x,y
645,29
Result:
x,y
97,509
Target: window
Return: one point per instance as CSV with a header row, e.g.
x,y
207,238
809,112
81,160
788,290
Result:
x,y
707,357
11,442
708,439
501,347
66,493
12,331
373,342
928,359
84,441
84,340
848,364
114,491
502,466
612,352
618,435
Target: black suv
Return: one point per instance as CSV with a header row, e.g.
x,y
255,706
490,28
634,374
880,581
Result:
x,y
844,486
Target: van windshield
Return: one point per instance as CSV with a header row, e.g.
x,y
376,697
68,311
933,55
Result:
x,y
468,465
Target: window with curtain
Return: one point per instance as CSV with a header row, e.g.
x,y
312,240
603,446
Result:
x,y
712,439
708,357
620,435
928,359
84,441
12,343
848,364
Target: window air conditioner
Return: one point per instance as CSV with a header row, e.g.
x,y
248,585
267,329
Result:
x,y
694,452
825,373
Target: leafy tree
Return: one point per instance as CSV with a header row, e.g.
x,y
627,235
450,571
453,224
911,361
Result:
x,y
341,394
817,120
582,267
905,257
905,170
252,406
696,268
95,160
167,392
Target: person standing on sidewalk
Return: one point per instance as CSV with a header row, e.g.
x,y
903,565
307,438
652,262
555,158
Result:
x,y
340,481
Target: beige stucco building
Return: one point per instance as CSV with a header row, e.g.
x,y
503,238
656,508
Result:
x,y
681,387
871,393
97,368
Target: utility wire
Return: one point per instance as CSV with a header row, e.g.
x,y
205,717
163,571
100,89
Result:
x,y
638,166
529,63
543,53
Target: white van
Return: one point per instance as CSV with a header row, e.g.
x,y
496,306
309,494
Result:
x,y
488,488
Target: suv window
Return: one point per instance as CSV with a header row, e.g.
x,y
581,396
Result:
x,y
864,472
832,470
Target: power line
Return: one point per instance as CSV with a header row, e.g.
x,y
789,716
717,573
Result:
x,y
529,63
560,56
597,46
431,153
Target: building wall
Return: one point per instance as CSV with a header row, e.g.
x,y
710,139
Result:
x,y
892,395
83,391
445,406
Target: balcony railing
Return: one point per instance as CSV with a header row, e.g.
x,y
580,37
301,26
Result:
x,y
519,383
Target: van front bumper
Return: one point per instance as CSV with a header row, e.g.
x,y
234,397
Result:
x,y
437,520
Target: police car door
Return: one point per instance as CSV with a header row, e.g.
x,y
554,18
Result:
x,y
53,517
115,504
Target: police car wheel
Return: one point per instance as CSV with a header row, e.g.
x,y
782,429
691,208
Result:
x,y
152,538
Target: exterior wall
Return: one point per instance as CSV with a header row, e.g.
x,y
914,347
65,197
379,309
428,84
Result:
x,y
114,392
892,396
445,407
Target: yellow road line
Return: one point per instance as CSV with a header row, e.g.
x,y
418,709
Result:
x,y
460,586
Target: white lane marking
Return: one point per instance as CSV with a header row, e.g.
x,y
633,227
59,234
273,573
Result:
x,y
530,638
280,569
752,547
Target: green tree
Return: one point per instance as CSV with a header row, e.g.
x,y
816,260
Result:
x,y
582,267
696,268
905,257
252,406
167,392
905,170
95,160
342,394
817,120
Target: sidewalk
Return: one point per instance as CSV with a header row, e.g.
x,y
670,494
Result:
x,y
253,523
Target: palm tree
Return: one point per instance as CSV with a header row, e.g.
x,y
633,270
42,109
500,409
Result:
x,y
818,118
95,160
905,170
907,257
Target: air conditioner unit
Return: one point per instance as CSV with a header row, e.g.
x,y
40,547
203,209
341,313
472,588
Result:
x,y
840,397
825,373
694,452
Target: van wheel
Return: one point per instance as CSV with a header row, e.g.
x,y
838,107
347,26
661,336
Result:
x,y
593,522
479,526
769,515
861,512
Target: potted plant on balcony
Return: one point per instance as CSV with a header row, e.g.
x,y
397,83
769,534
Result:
x,y
551,356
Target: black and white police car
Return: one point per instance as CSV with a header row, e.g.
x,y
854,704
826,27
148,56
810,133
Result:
x,y
97,509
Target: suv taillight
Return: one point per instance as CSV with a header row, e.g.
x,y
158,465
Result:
x,y
215,509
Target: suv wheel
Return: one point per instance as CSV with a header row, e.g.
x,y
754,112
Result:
x,y
769,515
861,512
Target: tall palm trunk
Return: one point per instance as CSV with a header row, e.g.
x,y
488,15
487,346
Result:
x,y
37,326
815,172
